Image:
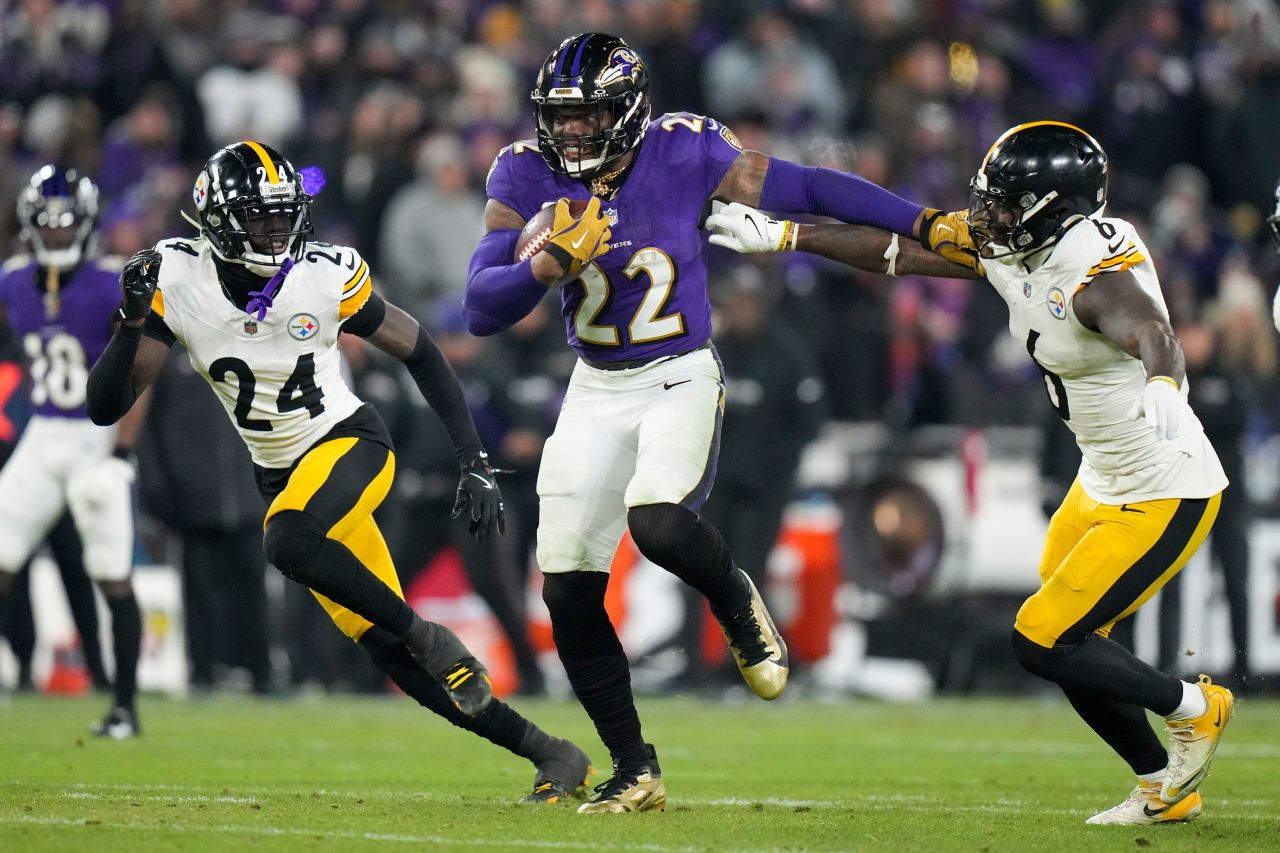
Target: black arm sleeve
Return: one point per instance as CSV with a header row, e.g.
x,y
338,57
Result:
x,y
367,320
110,389
439,384
155,327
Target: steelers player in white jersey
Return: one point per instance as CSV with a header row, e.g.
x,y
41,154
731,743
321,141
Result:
x,y
1084,300
259,307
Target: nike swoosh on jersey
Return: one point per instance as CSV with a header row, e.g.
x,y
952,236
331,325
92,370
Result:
x,y
487,484
667,386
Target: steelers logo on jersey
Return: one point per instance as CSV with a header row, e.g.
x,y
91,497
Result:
x,y
303,327
1057,303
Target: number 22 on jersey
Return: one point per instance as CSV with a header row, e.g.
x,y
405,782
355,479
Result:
x,y
648,324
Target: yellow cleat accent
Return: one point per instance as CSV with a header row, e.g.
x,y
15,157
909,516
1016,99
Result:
x,y
1192,742
1145,806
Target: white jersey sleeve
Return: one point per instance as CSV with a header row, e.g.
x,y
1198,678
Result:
x,y
1092,383
278,377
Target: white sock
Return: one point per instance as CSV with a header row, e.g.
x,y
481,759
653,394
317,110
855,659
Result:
x,y
1156,778
1193,703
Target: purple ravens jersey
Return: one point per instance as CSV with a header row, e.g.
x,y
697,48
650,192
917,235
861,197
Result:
x,y
647,296
60,341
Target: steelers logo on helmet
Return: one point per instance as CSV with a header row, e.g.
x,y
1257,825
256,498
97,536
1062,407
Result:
x,y
200,192
590,104
255,212
1038,180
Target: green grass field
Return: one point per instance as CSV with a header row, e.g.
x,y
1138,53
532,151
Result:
x,y
347,774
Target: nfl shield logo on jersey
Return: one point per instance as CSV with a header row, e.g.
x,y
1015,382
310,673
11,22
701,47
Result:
x,y
251,327
303,326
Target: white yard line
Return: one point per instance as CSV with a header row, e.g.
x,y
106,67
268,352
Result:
x,y
400,838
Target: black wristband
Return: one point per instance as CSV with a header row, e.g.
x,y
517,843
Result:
x,y
561,255
129,333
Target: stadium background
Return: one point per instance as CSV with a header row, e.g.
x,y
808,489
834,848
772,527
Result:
x,y
405,104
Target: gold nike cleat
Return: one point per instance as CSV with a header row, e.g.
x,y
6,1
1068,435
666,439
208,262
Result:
x,y
631,789
1193,741
1145,806
757,646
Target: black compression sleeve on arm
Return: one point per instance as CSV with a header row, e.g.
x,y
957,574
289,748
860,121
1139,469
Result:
x,y
439,384
367,320
110,388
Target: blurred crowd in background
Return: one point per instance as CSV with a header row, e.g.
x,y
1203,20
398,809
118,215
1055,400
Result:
x,y
405,103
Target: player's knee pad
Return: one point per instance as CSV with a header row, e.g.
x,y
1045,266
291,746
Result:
x,y
1035,658
292,542
575,601
662,531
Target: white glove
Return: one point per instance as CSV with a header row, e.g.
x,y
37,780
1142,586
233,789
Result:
x,y
1161,406
745,229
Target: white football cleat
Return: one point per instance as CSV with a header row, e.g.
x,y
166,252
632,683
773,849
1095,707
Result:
x,y
1145,806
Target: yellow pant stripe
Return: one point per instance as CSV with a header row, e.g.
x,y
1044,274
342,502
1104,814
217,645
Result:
x,y
312,472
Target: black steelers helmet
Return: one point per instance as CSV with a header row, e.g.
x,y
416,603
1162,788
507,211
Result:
x,y
252,207
56,199
598,73
1034,183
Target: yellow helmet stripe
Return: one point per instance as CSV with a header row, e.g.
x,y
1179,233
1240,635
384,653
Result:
x,y
272,175
1011,131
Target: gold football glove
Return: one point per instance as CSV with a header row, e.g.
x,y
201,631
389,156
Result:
x,y
574,244
948,235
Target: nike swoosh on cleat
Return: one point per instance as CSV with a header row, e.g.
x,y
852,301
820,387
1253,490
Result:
x,y
487,484
667,386
1127,508
1149,812
1217,724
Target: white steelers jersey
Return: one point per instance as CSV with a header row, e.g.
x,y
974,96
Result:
x,y
278,378
1092,383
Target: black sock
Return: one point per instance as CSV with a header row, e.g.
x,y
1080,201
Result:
x,y
594,660
497,723
126,637
297,546
692,549
1124,727
1104,668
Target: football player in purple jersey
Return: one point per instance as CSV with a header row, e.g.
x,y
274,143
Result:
x,y
59,302
635,445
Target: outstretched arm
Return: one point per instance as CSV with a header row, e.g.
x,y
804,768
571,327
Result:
x,y
400,336
757,180
745,229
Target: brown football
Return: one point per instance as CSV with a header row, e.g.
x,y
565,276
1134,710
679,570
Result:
x,y
537,231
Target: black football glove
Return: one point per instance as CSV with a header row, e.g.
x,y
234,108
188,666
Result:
x,y
138,282
478,492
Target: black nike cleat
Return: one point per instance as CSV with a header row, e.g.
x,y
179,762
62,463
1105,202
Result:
x,y
468,685
564,773
119,724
